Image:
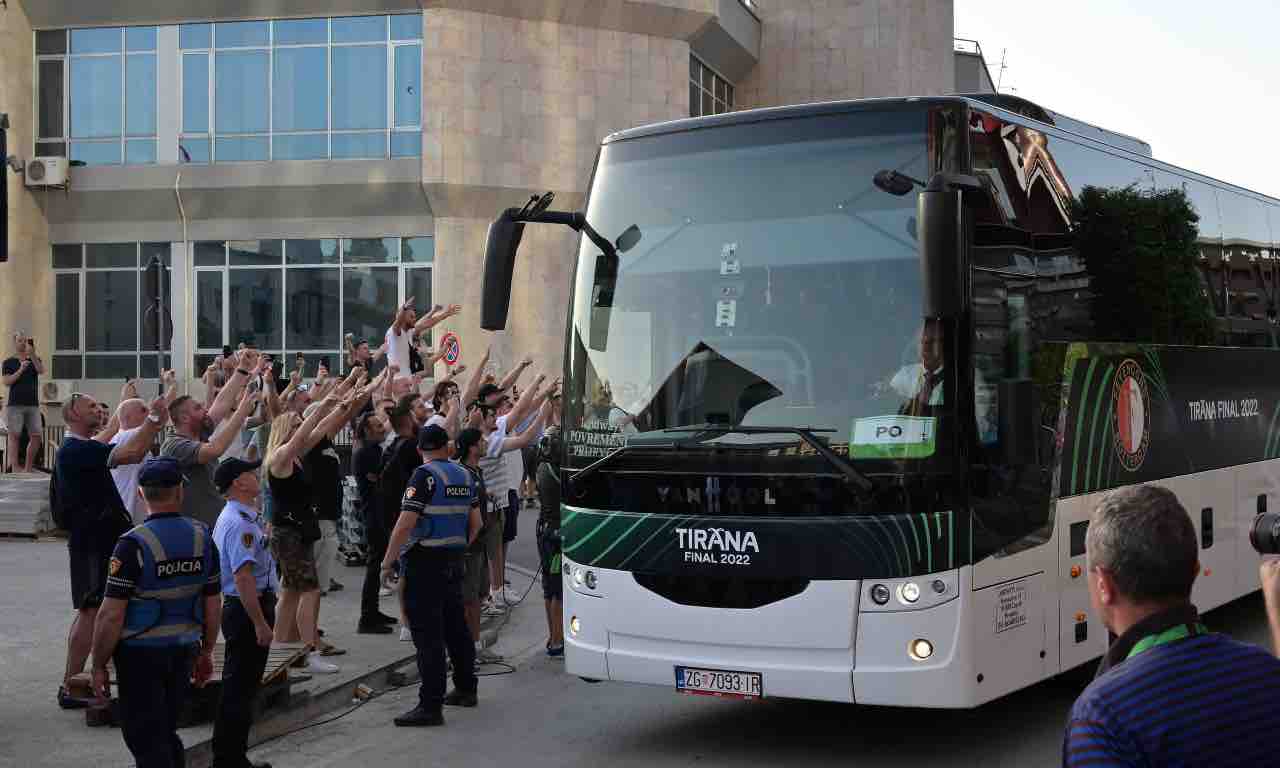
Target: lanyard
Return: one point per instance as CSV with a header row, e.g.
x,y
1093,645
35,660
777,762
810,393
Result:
x,y
1168,636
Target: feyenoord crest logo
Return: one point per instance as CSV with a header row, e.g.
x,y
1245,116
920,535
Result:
x,y
1133,415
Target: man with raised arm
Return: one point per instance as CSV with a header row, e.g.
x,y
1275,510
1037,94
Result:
x,y
406,326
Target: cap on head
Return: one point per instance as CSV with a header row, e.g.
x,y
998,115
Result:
x,y
229,470
432,438
161,472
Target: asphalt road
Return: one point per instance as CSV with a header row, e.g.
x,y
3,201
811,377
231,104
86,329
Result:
x,y
539,716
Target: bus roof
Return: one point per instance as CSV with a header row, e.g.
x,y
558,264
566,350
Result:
x,y
1016,107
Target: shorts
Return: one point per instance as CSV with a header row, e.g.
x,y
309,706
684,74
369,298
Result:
x,y
475,581
493,536
88,578
18,416
549,553
297,559
509,525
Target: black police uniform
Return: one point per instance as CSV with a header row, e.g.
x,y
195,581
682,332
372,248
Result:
x,y
165,568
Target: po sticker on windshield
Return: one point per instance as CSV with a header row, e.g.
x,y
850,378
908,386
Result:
x,y
893,437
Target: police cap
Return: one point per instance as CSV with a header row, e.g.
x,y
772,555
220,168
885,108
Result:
x,y
161,472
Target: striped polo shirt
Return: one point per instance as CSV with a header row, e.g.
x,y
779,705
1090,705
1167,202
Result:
x,y
1204,700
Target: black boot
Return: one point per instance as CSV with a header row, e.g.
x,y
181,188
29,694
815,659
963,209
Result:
x,y
419,717
458,698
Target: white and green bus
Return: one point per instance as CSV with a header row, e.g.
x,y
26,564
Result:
x,y
844,381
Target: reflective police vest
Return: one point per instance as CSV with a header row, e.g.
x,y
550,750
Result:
x,y
167,608
447,509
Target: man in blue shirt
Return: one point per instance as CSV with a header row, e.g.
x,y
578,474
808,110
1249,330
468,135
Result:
x,y
438,519
248,611
1168,691
161,604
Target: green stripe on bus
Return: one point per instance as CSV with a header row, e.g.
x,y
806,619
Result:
x,y
889,535
916,536
667,525
1109,454
589,536
1093,428
1269,449
566,516
903,536
621,537
928,543
1080,408
951,539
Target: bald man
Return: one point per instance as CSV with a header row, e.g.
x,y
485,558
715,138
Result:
x,y
131,414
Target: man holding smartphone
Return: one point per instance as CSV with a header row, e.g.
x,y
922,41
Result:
x,y
21,374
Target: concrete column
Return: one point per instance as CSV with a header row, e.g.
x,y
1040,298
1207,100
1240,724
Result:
x,y
27,275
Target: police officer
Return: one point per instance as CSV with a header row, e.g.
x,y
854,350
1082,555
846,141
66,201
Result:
x,y
439,517
248,610
159,618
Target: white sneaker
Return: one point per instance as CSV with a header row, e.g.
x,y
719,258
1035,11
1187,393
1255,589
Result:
x,y
486,656
319,666
492,608
405,635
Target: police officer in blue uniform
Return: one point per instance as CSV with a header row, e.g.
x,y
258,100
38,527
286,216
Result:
x,y
159,619
249,589
439,517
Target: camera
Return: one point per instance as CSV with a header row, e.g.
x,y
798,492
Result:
x,y
1265,533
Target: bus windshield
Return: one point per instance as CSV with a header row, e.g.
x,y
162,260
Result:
x,y
772,285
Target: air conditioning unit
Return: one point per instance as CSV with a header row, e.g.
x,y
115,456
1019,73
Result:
x,y
46,172
54,392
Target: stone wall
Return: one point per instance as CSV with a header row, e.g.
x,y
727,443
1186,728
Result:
x,y
823,50
26,279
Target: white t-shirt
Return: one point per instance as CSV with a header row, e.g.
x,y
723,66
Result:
x,y
126,478
436,420
398,350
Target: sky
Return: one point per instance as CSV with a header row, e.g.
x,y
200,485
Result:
x,y
1199,81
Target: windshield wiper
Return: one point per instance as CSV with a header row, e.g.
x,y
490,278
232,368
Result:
x,y
703,432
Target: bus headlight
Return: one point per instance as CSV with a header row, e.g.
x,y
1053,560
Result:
x,y
909,592
589,578
578,576
920,649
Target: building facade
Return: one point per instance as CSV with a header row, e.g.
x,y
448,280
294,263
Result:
x,y
303,166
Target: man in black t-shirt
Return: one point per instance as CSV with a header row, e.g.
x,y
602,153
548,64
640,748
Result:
x,y
399,460
366,463
94,515
21,374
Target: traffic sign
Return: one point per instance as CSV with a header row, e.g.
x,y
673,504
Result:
x,y
452,349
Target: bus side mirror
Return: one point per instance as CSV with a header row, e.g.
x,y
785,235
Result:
x,y
499,265
1019,415
939,238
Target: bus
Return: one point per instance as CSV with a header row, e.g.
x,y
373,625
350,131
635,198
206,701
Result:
x,y
844,381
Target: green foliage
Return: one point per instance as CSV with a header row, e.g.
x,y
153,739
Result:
x,y
1140,251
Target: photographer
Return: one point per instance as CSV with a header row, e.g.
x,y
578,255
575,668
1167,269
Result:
x,y
22,376
1168,691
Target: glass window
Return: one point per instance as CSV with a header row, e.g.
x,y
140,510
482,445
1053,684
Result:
x,y
210,253
110,366
111,299
68,256
241,150
308,146
298,90
152,250
406,27
51,42
241,34
208,309
95,97
111,255
408,93
417,283
140,95
148,367
195,92
252,253
406,144
356,145
147,315
140,38
51,148
96,152
50,98
140,152
256,299
68,366
66,307
101,40
360,87
196,150
311,251
313,309
195,36
240,93
369,250
695,100
366,294
301,31
360,29
418,250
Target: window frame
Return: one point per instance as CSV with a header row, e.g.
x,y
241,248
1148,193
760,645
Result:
x,y
705,93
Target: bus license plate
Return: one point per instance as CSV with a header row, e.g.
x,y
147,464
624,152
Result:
x,y
720,682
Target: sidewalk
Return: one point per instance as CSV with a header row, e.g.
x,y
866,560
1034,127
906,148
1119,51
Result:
x,y
33,646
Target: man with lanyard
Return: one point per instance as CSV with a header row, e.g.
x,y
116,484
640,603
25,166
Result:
x,y
1168,691
439,517
249,588
161,605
